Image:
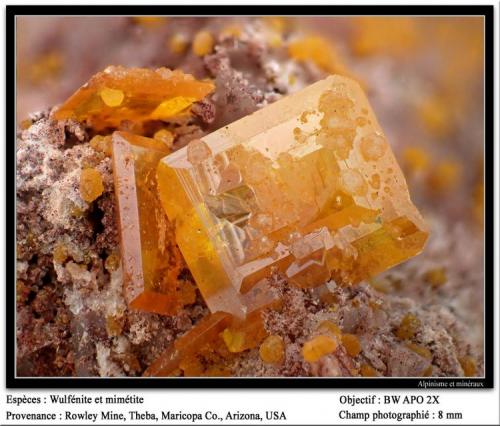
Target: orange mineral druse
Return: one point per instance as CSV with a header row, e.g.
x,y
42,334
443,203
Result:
x,y
151,260
120,94
307,186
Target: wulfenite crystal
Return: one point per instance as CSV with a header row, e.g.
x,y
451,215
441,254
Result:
x,y
307,186
151,260
120,94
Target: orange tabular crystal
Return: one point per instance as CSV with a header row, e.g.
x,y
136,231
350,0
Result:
x,y
151,261
303,186
118,94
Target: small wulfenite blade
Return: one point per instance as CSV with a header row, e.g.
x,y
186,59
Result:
x,y
118,95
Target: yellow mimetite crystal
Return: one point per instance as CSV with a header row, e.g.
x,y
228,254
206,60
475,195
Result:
x,y
178,43
376,35
91,186
120,94
318,50
203,43
308,186
272,350
318,347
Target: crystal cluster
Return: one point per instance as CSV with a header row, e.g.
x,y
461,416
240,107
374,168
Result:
x,y
307,186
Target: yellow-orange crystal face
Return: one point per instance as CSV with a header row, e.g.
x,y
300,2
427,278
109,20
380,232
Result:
x,y
151,261
307,185
120,94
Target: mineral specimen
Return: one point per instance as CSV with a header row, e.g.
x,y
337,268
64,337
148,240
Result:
x,y
151,261
121,94
307,186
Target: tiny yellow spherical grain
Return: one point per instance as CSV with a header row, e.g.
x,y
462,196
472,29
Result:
x,y
234,340
112,262
231,31
416,159
330,327
468,365
112,97
318,347
435,277
272,350
408,327
178,43
421,350
60,253
102,144
351,344
91,186
165,136
203,43
367,370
